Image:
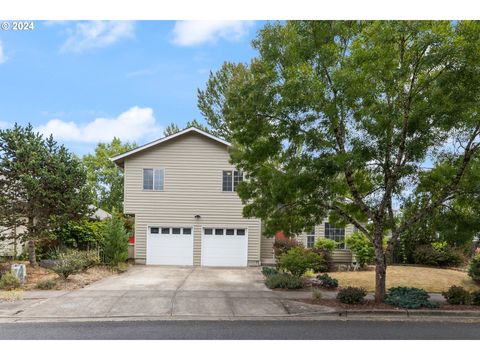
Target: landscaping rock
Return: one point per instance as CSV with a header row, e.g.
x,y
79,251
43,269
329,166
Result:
x,y
48,263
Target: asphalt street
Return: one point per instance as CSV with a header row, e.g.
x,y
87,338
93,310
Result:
x,y
241,330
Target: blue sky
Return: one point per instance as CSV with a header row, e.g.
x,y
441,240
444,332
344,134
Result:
x,y
86,82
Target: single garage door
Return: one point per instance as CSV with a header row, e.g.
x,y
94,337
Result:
x,y
224,247
169,246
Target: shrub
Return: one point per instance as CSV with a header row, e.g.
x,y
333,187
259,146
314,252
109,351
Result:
x,y
269,271
298,260
316,261
476,297
90,258
4,269
408,297
351,295
361,247
68,263
325,245
284,281
316,293
9,281
115,241
457,295
46,285
474,268
309,273
327,282
281,246
436,254
80,234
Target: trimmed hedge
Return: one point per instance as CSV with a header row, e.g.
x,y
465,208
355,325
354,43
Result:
x,y
351,295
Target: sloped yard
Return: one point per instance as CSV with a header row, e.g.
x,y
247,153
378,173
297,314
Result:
x,y
427,278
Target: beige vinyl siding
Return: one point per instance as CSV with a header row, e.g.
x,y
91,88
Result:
x,y
193,167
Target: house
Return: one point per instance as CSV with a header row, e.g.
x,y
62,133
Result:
x,y
181,190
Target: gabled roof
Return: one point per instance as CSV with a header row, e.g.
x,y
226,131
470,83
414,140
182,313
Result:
x,y
117,159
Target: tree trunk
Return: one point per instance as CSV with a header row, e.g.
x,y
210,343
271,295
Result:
x,y
380,266
32,257
380,278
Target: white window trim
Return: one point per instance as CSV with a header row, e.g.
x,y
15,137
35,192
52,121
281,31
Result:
x,y
233,180
143,179
310,234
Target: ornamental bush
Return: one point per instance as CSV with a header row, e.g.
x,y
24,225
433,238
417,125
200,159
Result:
x,y
68,263
476,297
351,295
327,282
361,247
327,245
457,295
269,271
281,246
474,268
436,254
408,297
298,260
8,281
284,281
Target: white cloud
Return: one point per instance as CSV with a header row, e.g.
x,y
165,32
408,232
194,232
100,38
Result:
x,y
3,57
3,125
188,33
132,125
97,34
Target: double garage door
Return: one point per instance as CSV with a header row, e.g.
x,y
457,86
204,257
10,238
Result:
x,y
219,246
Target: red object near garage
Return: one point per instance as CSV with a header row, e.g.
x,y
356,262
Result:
x,y
132,239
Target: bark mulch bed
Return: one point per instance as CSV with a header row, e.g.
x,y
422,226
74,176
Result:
x,y
371,305
39,274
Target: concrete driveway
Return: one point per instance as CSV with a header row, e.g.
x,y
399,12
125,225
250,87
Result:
x,y
164,291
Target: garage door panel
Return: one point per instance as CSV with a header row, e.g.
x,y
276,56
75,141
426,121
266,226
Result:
x,y
169,249
224,250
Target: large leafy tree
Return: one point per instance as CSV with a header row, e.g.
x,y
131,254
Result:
x,y
349,119
104,176
42,184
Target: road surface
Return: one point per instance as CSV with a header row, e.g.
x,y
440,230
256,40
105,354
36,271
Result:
x,y
248,330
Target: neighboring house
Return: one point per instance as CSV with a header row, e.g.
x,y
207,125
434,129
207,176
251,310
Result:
x,y
99,214
181,190
8,247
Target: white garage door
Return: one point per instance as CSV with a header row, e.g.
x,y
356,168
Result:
x,y
169,246
224,247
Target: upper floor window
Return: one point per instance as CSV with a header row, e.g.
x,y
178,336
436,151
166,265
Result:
x,y
311,238
231,179
153,179
335,233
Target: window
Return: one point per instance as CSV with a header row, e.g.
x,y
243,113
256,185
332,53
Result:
x,y
187,231
154,230
153,179
237,179
337,234
311,238
231,179
241,232
218,231
230,232
208,231
176,231
165,230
